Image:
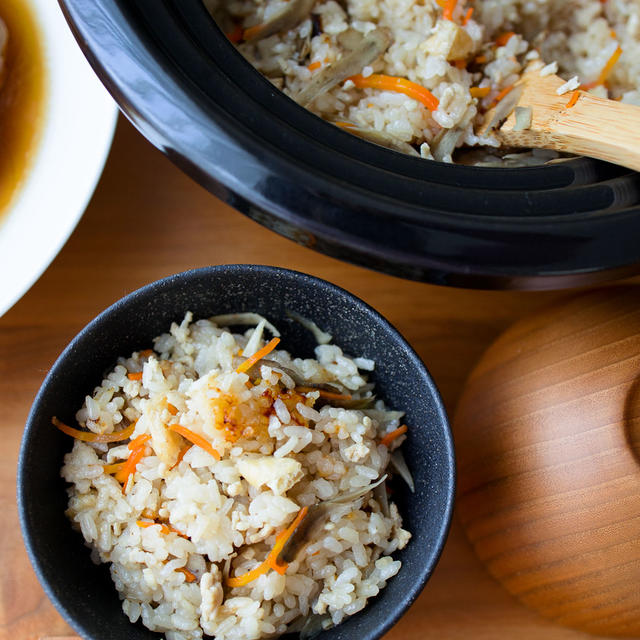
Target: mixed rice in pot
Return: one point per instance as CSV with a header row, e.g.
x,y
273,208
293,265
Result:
x,y
418,76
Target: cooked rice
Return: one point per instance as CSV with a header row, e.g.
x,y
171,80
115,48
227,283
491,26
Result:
x,y
281,450
580,36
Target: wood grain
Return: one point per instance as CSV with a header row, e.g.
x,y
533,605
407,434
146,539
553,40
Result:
x,y
547,443
148,220
593,126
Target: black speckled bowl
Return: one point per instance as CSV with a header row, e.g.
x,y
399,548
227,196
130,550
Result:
x,y
82,591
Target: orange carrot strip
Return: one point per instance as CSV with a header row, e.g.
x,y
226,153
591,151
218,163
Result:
x,y
460,64
400,85
615,56
501,95
144,524
250,576
172,409
137,375
139,441
166,529
606,70
188,576
194,438
314,65
467,16
112,468
147,353
258,355
390,437
480,59
130,465
181,455
271,561
503,38
574,98
252,32
479,92
88,436
448,9
174,530
236,34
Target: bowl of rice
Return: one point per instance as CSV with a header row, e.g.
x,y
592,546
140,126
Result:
x,y
236,452
319,119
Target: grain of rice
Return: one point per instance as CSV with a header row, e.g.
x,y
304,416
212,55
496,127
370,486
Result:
x,y
282,411
570,85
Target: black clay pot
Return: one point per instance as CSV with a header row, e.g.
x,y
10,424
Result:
x,y
82,591
180,81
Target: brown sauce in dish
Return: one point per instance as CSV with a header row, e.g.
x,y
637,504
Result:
x,y
22,96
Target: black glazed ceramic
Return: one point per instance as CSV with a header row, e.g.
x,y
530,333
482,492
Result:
x,y
83,592
193,96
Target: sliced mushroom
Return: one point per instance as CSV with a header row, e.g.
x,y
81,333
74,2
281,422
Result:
x,y
359,50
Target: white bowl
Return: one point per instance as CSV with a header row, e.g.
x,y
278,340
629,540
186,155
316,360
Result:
x,y
78,127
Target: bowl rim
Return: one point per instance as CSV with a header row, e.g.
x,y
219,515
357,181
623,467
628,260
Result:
x,y
68,158
303,279
306,199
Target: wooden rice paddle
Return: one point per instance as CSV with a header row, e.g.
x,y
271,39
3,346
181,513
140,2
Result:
x,y
588,126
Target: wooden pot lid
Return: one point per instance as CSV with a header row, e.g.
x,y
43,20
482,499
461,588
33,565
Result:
x,y
548,443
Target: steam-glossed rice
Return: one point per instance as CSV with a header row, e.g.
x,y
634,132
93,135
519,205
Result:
x,y
447,57
205,520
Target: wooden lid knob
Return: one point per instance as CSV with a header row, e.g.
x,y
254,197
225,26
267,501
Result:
x,y
548,443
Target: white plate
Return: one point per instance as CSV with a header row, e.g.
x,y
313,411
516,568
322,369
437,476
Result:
x,y
79,122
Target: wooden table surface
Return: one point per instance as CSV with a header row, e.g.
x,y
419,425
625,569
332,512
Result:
x,y
148,220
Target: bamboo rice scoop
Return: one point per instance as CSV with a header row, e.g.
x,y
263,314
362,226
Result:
x,y
577,123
